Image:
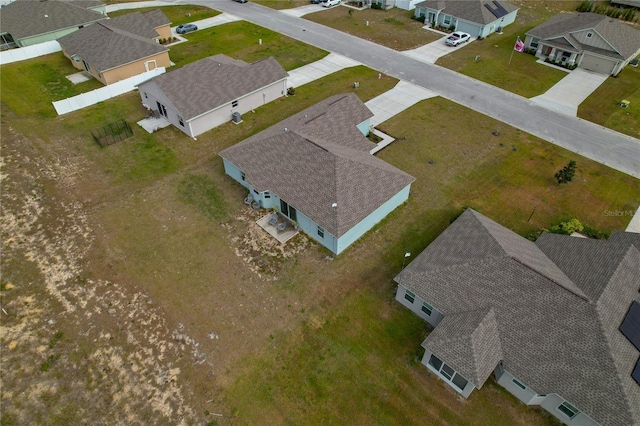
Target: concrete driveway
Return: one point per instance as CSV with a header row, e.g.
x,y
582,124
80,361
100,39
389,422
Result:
x,y
567,94
223,18
433,51
318,69
304,10
396,100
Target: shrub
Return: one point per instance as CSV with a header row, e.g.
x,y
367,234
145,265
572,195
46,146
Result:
x,y
291,91
585,6
565,175
376,6
567,228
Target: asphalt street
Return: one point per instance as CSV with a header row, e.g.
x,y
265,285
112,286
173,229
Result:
x,y
598,143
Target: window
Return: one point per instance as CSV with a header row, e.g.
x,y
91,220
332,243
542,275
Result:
x,y
409,296
234,104
435,362
448,373
242,175
459,381
518,384
267,194
256,192
446,20
320,232
534,43
427,308
161,109
181,121
146,96
589,35
568,410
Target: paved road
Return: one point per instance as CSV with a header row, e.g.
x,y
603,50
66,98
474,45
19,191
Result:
x,y
616,150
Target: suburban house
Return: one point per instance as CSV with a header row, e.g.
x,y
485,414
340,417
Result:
x,y
479,18
315,167
589,40
27,22
208,92
121,47
557,322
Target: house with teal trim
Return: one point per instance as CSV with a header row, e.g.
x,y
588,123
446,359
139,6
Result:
x,y
315,167
27,22
555,322
479,18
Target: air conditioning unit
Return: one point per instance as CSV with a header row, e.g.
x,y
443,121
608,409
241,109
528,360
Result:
x,y
236,117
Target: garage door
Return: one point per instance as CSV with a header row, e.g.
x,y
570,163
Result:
x,y
469,28
597,64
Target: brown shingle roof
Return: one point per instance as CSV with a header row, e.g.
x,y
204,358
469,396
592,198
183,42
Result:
x,y
469,10
206,84
321,159
624,39
553,340
105,46
26,18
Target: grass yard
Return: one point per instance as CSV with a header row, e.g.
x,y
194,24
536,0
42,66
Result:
x,y
241,40
392,28
29,87
282,4
176,14
522,76
602,106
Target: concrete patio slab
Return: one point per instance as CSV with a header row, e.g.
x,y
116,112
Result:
x,y
153,124
304,10
281,236
315,70
79,77
567,94
396,100
433,51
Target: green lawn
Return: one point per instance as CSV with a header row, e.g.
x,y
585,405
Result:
x,y
393,28
241,40
29,87
602,106
282,4
176,14
498,64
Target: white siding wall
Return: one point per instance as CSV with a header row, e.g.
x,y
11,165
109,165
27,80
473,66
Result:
x,y
551,404
506,380
150,93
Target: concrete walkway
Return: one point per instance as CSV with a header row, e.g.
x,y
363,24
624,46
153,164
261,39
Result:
x,y
304,10
634,225
567,94
318,69
396,100
433,51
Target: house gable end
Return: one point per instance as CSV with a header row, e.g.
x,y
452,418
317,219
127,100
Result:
x,y
595,40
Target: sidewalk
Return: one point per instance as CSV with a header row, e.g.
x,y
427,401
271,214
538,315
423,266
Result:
x,y
634,225
318,69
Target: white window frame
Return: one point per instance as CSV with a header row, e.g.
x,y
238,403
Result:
x,y
569,408
409,296
426,307
447,20
519,384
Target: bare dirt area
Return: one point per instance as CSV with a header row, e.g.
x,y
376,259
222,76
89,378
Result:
x,y
127,308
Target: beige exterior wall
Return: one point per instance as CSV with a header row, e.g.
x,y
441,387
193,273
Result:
x,y
126,71
164,32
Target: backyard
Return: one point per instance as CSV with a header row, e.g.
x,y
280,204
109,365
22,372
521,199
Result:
x,y
139,290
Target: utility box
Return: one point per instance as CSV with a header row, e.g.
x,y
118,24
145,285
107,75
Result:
x,y
236,117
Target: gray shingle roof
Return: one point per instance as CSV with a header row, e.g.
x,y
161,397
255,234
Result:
x,y
106,46
26,18
321,159
206,84
469,340
469,10
156,18
551,338
624,39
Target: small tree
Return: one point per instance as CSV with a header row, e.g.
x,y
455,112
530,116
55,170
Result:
x,y
566,174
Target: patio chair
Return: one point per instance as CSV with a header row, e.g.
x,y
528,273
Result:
x,y
256,204
281,226
274,219
249,200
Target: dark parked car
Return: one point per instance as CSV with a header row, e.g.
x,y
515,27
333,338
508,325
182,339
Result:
x,y
186,28
241,1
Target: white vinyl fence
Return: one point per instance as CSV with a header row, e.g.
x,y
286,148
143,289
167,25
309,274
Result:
x,y
107,92
28,52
